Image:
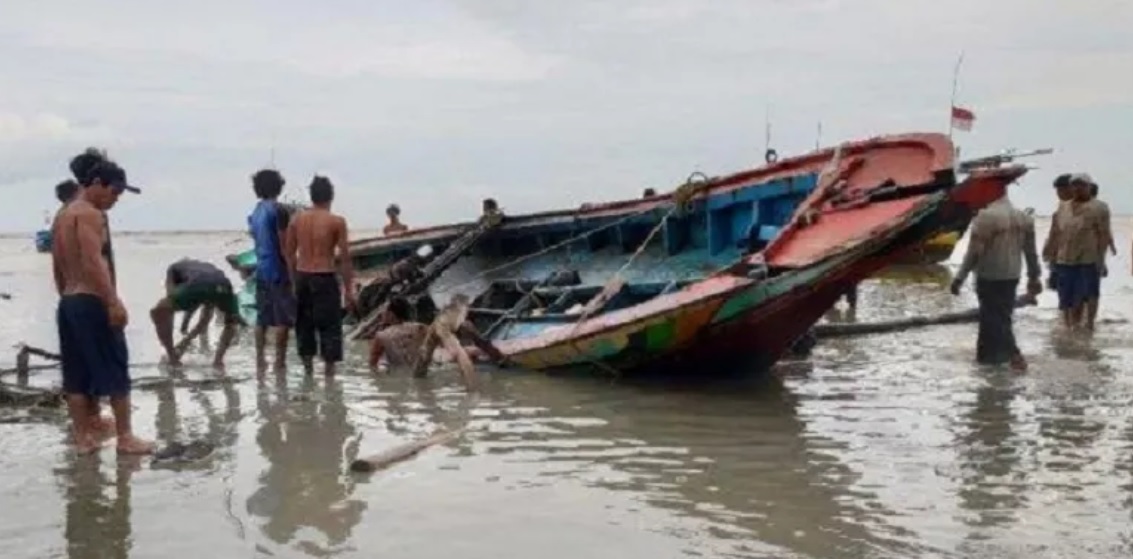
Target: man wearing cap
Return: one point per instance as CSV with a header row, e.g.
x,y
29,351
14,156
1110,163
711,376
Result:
x,y
1001,237
393,212
91,316
1078,239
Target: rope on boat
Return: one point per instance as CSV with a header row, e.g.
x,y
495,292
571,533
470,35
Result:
x,y
681,197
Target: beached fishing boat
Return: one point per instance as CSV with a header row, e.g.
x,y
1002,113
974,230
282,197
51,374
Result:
x,y
878,200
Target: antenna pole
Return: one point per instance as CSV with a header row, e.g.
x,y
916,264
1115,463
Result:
x,y
955,86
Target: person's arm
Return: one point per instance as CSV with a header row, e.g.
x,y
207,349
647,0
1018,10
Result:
x,y
202,325
57,258
1051,240
976,245
345,266
1030,255
376,351
89,230
1105,232
284,225
482,343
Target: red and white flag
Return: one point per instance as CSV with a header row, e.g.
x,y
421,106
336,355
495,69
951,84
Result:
x,y
962,118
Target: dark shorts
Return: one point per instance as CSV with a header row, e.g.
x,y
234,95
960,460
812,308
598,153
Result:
x,y
95,357
318,321
275,304
1077,283
215,293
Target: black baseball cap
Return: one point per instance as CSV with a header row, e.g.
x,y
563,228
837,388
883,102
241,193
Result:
x,y
109,173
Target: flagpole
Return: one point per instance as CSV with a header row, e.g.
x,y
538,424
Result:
x,y
955,85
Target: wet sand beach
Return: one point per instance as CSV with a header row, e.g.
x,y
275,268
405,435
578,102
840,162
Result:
x,y
895,445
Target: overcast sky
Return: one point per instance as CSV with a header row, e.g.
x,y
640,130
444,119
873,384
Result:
x,y
436,104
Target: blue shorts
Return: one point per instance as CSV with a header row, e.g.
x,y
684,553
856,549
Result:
x,y
1077,283
95,357
275,304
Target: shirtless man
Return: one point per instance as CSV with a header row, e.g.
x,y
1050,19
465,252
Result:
x,y
403,342
393,212
91,316
190,284
66,192
315,239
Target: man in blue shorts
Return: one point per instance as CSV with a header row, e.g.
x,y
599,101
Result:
x,y
275,299
90,315
1078,240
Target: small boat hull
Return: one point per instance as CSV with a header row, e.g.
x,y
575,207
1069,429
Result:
x,y
43,240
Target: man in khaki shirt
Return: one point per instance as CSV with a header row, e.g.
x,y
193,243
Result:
x,y
1079,237
1001,237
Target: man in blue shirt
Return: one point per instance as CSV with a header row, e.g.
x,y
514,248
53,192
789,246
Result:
x,y
275,301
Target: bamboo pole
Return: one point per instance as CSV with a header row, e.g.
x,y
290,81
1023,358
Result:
x,y
402,452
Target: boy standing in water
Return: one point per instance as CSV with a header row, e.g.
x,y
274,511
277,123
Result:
x,y
91,317
315,238
275,302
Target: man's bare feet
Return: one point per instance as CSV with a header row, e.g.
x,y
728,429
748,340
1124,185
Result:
x,y
133,445
102,426
86,444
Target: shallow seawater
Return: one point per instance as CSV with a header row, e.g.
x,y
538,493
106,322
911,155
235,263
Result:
x,y
894,445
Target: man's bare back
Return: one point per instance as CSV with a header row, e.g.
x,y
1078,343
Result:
x,y
318,234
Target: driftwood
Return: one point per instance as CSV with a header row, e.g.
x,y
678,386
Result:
x,y
405,451
846,329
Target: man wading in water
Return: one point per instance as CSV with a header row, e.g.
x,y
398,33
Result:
x,y
1079,237
275,301
393,212
190,284
1001,236
91,316
315,238
410,345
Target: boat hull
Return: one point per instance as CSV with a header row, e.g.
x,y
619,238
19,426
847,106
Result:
x,y
731,321
43,240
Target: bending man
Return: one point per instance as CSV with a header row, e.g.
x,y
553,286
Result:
x,y
190,284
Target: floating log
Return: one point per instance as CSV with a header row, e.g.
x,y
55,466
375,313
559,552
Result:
x,y
846,329
402,452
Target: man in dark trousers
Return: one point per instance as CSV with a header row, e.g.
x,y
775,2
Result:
x,y
1001,237
317,239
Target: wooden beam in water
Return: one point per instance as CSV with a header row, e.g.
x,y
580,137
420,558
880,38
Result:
x,y
402,452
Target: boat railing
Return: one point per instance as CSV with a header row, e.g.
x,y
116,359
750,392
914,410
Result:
x,y
995,161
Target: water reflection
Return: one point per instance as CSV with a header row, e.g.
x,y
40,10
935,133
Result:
x,y
733,453
992,487
303,436
97,516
